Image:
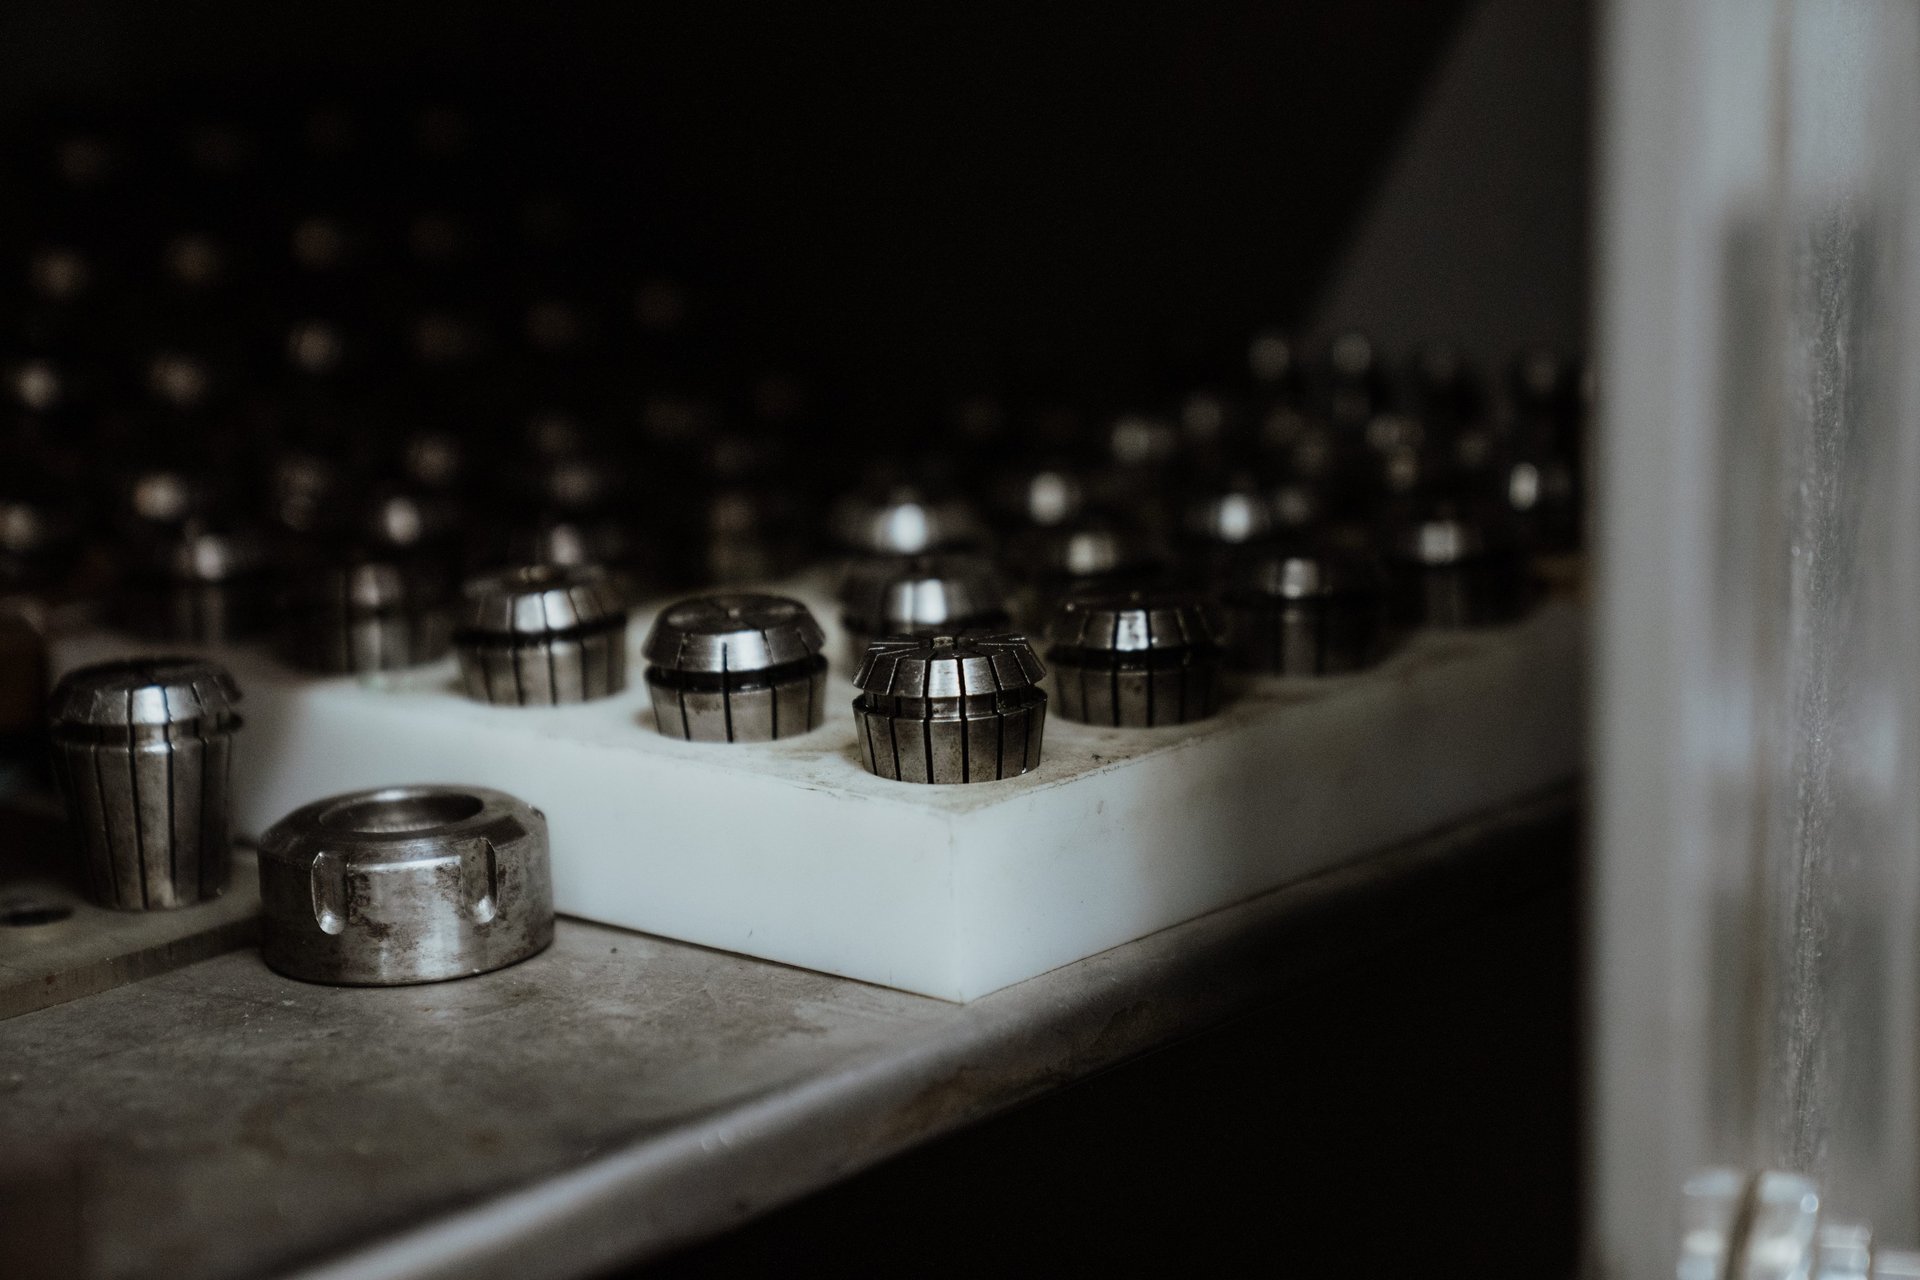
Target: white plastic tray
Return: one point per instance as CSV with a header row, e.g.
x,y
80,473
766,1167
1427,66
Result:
x,y
792,851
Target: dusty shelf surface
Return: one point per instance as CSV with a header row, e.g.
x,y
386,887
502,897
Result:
x,y
612,1098
56,946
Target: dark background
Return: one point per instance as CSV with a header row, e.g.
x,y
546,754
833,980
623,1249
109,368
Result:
x,y
1106,196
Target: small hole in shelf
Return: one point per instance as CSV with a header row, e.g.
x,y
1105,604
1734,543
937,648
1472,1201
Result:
x,y
21,915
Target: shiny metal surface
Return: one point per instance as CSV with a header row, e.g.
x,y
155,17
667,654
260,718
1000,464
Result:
x,y
1306,613
204,585
904,519
1135,659
736,668
400,521
1041,496
365,616
1085,553
1087,548
143,750
901,595
1541,487
405,884
1217,524
542,635
150,498
580,541
1458,570
950,708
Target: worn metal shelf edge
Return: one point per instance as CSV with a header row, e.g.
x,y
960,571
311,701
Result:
x,y
705,1176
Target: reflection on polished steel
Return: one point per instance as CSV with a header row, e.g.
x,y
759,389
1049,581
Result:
x,y
1135,659
1086,550
142,751
950,708
205,586
365,616
1541,487
1307,613
902,595
404,522
405,884
1043,496
1088,553
568,542
736,668
904,519
1218,526
1236,514
165,498
1457,571
579,541
542,635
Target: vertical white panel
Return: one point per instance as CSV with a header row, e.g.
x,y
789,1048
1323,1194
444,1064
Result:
x,y
1757,860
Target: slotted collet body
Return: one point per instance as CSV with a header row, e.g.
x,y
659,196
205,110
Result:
x,y
1135,659
736,668
950,708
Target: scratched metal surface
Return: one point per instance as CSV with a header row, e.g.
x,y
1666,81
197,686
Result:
x,y
611,1098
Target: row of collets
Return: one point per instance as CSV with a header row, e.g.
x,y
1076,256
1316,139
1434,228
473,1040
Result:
x,y
948,690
